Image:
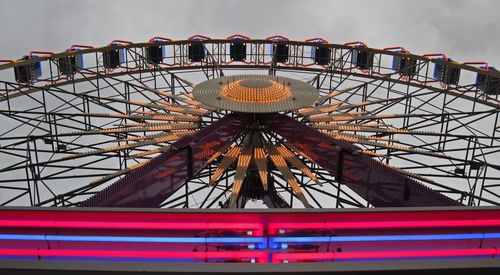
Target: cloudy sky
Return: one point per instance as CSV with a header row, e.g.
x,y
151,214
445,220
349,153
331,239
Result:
x,y
465,30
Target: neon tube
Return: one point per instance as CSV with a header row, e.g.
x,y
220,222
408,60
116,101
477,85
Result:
x,y
256,228
274,242
387,255
275,227
260,256
262,242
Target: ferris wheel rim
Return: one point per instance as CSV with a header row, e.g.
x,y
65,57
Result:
x,y
278,67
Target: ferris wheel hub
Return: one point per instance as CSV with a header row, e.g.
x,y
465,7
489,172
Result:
x,y
255,93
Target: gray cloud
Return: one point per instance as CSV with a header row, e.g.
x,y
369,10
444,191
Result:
x,y
467,30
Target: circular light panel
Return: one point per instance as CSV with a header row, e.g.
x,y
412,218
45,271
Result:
x,y
255,93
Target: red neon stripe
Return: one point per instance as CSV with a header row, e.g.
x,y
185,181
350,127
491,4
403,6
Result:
x,y
276,258
204,37
316,39
260,256
444,56
274,227
73,47
402,49
280,257
277,37
256,228
153,39
418,253
118,41
39,52
238,35
355,43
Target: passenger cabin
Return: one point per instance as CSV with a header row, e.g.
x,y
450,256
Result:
x,y
238,49
155,54
404,65
70,65
361,58
322,55
279,49
488,84
113,58
445,73
28,73
197,50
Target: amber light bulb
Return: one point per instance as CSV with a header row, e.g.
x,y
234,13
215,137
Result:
x,y
255,91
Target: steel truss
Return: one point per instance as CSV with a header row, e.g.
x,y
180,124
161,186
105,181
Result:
x,y
66,137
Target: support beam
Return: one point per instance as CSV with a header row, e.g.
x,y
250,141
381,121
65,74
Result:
x,y
151,184
377,183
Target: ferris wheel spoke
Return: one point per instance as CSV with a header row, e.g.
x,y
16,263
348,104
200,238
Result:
x,y
361,140
164,107
228,159
346,106
336,93
140,117
186,98
130,128
360,117
297,163
260,159
116,174
280,163
166,137
370,129
393,130
241,170
163,148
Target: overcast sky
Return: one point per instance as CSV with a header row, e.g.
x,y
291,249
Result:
x,y
465,30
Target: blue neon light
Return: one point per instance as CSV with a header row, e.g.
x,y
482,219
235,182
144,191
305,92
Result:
x,y
277,242
253,242
260,242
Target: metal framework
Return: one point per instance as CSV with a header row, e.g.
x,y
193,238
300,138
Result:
x,y
78,126
78,240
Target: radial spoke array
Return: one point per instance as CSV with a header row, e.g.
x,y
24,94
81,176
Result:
x,y
67,135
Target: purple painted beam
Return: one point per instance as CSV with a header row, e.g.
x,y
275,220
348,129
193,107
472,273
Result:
x,y
377,183
151,184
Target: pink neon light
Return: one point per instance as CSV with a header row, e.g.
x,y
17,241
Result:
x,y
486,65
256,228
277,37
353,43
260,256
74,48
444,56
316,39
280,257
274,227
39,52
118,41
156,38
196,36
402,49
238,35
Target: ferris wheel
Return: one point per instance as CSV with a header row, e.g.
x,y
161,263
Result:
x,y
241,122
